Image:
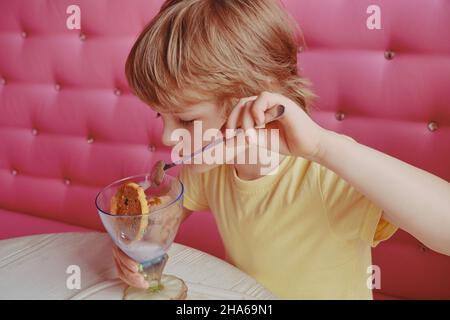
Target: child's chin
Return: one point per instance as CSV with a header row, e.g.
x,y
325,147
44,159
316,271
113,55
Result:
x,y
201,168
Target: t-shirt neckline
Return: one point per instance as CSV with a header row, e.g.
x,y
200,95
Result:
x,y
261,182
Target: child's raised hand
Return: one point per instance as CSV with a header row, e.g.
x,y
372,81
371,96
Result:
x,y
299,134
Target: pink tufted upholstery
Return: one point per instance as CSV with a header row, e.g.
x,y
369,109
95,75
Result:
x,y
69,125
387,104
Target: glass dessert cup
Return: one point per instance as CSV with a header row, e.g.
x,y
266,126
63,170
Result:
x,y
147,237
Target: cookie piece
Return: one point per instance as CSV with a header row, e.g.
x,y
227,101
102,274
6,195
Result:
x,y
130,200
155,203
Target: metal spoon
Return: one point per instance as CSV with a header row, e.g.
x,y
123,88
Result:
x,y
159,169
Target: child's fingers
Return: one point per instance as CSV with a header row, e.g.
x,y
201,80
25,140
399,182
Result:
x,y
257,112
260,105
265,101
247,121
234,117
133,279
125,260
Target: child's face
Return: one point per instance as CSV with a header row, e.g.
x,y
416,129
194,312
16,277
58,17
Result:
x,y
209,113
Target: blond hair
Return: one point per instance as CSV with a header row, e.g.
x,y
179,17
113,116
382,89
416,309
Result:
x,y
221,50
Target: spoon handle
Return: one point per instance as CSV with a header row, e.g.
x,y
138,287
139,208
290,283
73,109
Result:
x,y
272,114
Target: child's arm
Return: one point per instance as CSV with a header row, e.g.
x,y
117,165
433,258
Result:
x,y
411,198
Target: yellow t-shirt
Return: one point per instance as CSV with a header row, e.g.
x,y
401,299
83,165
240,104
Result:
x,y
303,233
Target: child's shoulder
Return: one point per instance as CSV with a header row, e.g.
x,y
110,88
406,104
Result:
x,y
318,175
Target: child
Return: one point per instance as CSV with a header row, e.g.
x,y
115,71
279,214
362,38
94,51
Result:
x,y
306,230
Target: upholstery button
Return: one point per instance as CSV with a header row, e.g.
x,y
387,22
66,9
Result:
x,y
433,126
24,34
35,132
90,140
117,92
340,116
389,55
423,248
82,36
67,181
14,172
3,81
57,87
152,148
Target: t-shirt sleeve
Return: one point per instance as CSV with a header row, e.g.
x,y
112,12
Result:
x,y
194,198
351,215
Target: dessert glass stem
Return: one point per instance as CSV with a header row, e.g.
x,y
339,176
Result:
x,y
152,271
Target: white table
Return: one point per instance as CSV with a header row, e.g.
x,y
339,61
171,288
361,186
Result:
x,y
38,267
